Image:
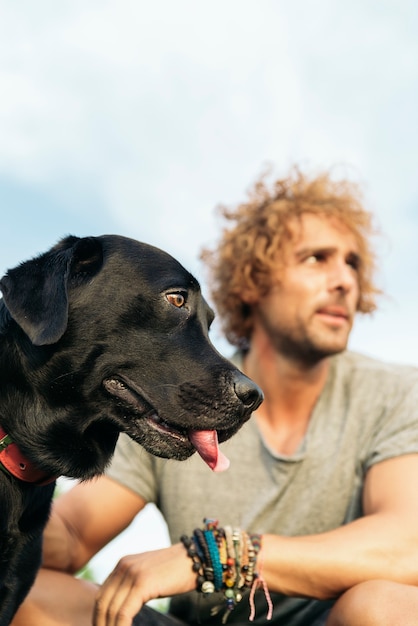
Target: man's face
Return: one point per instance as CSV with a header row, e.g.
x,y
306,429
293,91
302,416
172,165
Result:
x,y
309,312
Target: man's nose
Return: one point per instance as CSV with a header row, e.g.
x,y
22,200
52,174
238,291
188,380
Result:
x,y
342,276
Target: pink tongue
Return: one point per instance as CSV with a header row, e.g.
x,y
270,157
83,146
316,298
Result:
x,y
206,443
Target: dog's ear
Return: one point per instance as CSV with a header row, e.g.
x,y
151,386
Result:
x,y
36,292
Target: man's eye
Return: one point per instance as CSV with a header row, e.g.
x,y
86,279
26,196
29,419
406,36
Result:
x,y
354,262
314,258
176,299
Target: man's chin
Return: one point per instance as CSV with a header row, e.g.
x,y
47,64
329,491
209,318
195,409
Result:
x,y
331,349
331,342
319,350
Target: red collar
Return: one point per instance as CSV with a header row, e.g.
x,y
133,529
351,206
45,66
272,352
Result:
x,y
16,464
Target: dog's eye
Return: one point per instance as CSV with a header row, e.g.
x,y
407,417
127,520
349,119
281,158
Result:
x,y
177,299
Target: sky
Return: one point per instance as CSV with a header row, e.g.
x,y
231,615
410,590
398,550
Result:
x,y
140,118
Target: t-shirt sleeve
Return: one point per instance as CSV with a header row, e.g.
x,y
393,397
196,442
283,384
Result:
x,y
133,467
396,432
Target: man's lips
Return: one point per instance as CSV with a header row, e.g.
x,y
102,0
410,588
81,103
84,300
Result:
x,y
336,315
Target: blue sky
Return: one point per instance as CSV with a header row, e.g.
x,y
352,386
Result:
x,y
139,118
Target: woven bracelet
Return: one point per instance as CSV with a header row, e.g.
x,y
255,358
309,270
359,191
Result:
x,y
224,559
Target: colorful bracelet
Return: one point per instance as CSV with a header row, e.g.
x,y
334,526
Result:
x,y
224,559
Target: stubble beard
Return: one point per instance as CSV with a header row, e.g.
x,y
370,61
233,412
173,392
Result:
x,y
308,348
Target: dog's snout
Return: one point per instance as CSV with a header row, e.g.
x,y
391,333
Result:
x,y
247,391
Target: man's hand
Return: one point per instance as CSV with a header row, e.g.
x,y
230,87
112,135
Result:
x,y
139,578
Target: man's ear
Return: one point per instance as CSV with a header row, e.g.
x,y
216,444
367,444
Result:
x,y
249,296
36,292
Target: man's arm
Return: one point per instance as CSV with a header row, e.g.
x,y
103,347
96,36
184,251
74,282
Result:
x,y
383,544
85,519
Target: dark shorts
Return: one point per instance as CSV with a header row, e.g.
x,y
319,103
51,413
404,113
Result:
x,y
149,617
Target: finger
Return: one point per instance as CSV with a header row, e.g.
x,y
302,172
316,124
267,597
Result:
x,y
120,598
109,598
121,609
128,607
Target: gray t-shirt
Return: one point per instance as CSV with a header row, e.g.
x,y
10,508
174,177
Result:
x,y
367,412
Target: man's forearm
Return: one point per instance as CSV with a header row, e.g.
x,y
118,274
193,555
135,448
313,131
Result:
x,y
325,565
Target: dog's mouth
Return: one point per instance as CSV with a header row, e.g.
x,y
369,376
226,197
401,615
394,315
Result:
x,y
205,442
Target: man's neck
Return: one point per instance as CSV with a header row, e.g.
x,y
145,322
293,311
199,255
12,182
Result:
x,y
291,389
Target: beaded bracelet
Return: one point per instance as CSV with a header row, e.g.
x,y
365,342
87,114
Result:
x,y
192,553
224,559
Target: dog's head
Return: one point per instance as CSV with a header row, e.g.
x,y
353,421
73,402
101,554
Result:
x,y
106,334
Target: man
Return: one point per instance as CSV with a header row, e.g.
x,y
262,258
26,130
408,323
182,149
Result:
x,y
326,470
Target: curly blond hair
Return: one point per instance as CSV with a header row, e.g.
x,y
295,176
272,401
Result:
x,y
249,251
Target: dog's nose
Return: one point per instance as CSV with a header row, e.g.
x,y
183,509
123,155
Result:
x,y
247,391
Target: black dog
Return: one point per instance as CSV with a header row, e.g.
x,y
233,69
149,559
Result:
x,y
97,336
